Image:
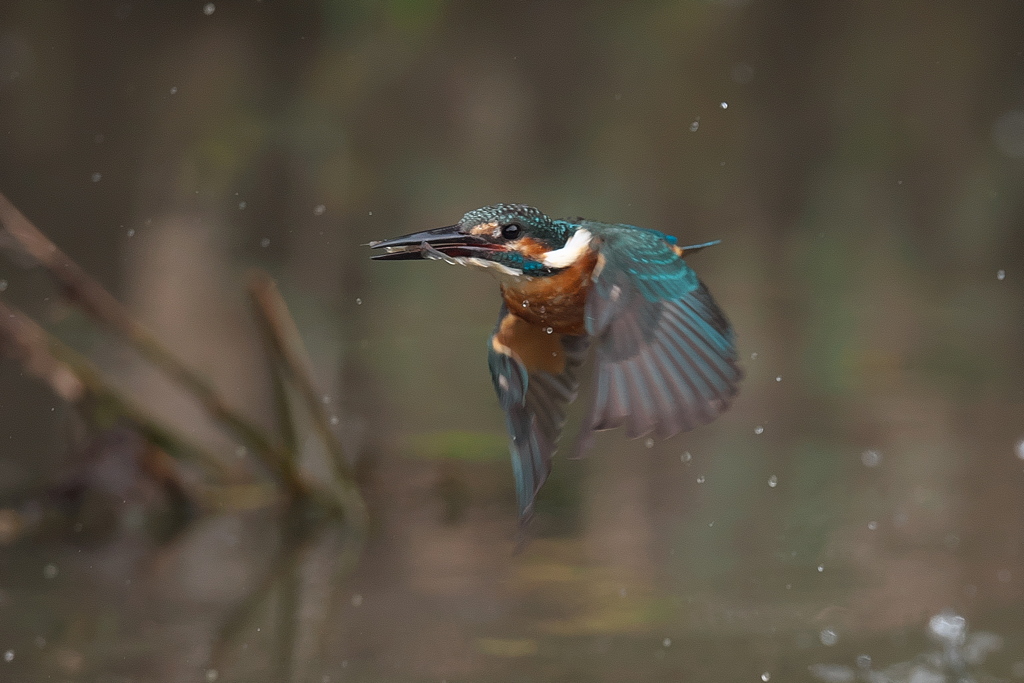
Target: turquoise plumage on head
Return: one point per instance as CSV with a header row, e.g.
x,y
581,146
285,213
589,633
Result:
x,y
666,361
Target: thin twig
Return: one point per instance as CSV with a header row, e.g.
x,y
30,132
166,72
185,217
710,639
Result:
x,y
285,343
80,288
76,380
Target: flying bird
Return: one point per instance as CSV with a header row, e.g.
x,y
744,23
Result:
x,y
666,360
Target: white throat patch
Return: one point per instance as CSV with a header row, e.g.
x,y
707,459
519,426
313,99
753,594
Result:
x,y
567,255
492,265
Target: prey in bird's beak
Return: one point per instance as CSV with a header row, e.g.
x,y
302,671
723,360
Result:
x,y
450,241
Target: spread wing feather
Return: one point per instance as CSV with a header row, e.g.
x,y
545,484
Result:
x,y
666,356
535,404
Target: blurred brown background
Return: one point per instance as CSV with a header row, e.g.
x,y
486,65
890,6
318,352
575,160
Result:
x,y
863,164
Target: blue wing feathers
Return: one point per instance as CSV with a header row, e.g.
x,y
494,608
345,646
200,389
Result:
x,y
534,405
702,351
509,379
682,387
642,418
692,389
663,395
528,461
666,358
714,366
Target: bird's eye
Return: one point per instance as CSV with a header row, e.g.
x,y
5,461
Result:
x,y
511,231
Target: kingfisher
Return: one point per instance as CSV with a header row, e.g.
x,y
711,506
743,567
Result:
x,y
665,356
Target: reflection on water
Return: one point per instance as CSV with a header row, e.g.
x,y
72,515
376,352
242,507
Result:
x,y
252,597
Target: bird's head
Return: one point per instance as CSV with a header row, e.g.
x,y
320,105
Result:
x,y
515,239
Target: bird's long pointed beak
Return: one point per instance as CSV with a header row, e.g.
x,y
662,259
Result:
x,y
449,240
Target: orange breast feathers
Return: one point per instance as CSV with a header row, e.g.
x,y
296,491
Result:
x,y
555,301
533,346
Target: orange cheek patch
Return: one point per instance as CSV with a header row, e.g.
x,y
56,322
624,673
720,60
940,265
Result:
x,y
534,347
530,247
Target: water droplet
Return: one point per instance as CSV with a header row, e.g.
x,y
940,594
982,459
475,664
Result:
x,y
357,600
779,378
1000,274
526,304
50,571
686,457
265,242
821,568
871,458
9,656
667,642
211,675
96,177
766,677
700,479
1020,444
828,637
174,90
3,288
359,302
131,232
864,661
242,205
209,8
371,213
334,419
695,126
872,525
648,442
949,627
724,105
319,210
753,356
325,399
549,330
773,481
759,429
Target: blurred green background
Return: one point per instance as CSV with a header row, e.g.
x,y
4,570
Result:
x,y
863,164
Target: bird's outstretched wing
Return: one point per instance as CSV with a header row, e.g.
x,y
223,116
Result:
x,y
536,375
666,361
